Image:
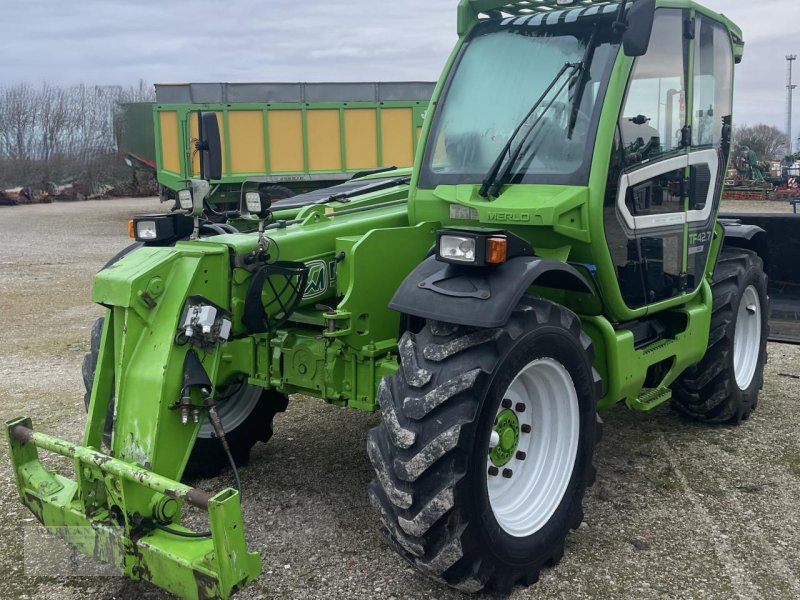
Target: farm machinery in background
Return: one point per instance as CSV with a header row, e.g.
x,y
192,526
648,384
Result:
x,y
746,171
289,137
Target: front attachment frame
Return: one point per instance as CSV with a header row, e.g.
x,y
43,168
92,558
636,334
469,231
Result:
x,y
86,513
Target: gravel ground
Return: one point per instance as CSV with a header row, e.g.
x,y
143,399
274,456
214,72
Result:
x,y
679,510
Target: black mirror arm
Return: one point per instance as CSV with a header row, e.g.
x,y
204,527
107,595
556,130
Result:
x,y
620,25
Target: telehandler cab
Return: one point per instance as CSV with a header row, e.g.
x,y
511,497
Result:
x,y
554,251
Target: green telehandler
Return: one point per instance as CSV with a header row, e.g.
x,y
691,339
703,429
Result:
x,y
553,252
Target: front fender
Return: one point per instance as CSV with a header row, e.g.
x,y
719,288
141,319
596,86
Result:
x,y
480,296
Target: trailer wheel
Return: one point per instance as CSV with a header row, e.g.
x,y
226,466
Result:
x,y
277,192
246,413
485,448
723,387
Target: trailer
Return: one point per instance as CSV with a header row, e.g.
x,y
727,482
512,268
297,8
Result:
x,y
135,136
289,137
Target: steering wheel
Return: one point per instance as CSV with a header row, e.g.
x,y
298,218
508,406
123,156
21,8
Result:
x,y
552,144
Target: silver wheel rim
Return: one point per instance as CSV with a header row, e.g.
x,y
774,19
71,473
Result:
x,y
747,338
233,411
525,501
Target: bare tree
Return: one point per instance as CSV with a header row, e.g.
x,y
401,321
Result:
x,y
768,142
18,121
55,134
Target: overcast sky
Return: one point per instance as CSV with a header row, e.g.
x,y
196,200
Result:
x,y
113,42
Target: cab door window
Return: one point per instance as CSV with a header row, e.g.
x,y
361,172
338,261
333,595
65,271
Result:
x,y
645,216
712,109
654,113
713,82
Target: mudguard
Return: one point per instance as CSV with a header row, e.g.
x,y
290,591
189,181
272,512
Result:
x,y
480,296
776,238
735,228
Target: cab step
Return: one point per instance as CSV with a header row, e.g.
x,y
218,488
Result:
x,y
650,398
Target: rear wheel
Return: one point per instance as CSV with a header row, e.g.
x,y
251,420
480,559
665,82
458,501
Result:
x,y
246,413
485,449
723,387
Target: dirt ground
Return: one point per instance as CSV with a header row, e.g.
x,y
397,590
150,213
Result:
x,y
679,510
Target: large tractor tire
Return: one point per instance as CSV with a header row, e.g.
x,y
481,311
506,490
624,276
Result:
x,y
485,448
723,387
246,413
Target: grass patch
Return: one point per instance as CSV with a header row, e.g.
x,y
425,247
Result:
x,y
791,458
711,491
665,481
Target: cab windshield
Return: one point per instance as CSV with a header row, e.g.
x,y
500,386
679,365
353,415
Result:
x,y
500,72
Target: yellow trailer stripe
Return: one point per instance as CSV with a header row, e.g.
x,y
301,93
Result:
x,y
170,154
246,134
361,135
397,138
324,144
286,140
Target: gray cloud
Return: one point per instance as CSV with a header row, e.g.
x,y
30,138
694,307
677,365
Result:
x,y
113,42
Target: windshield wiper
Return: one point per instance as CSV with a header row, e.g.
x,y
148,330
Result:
x,y
367,189
492,183
583,80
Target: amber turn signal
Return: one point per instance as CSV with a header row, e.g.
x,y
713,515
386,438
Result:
x,y
496,250
131,230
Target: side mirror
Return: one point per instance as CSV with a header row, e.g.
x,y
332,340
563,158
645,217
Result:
x,y
209,146
636,38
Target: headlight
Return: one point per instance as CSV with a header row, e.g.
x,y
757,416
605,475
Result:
x,y
185,199
457,248
252,201
160,229
479,247
146,230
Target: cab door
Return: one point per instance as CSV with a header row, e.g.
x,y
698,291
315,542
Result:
x,y
669,163
648,188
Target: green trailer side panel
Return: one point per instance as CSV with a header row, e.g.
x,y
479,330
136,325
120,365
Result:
x,y
133,129
301,137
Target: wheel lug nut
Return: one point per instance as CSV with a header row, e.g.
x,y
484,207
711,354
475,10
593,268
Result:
x,y
507,473
520,407
506,403
521,455
526,428
493,471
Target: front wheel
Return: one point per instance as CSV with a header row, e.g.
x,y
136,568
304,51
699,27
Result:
x,y
485,449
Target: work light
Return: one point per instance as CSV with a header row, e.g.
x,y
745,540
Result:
x,y
146,230
160,229
258,202
253,202
185,199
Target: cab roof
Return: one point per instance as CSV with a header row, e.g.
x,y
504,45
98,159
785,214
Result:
x,y
472,11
